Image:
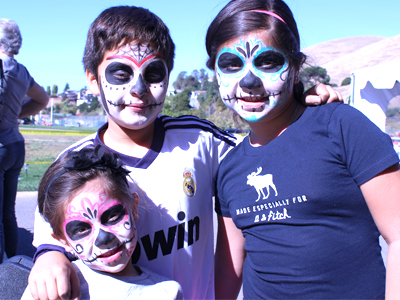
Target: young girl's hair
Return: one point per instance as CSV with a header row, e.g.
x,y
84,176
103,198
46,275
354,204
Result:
x,y
68,175
272,18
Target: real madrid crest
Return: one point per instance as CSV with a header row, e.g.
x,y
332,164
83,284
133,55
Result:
x,y
189,186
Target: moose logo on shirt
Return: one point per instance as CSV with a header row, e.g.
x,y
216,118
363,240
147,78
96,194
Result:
x,y
259,182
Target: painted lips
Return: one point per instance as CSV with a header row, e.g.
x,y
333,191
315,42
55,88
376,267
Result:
x,y
112,255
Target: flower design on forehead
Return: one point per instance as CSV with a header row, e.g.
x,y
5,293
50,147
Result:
x,y
247,52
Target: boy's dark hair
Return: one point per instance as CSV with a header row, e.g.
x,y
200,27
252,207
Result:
x,y
56,191
120,25
237,19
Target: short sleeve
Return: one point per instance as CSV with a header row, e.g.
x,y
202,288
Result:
x,y
363,147
221,207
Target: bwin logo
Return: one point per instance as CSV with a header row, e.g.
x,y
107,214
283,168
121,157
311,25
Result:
x,y
260,182
176,236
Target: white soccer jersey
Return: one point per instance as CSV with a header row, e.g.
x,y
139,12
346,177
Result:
x,y
175,224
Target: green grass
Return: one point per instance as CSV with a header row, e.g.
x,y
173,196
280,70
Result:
x,y
40,152
29,179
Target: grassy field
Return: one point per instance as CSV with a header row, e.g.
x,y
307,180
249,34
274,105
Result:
x,y
40,152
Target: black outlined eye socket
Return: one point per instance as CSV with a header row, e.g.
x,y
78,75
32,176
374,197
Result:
x,y
269,61
229,63
113,215
155,72
118,73
77,230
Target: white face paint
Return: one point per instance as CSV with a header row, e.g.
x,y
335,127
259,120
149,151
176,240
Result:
x,y
133,84
101,230
253,77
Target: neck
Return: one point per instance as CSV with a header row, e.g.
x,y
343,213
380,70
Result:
x,y
264,132
130,142
129,270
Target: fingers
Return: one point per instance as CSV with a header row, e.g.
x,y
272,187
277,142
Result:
x,y
321,94
63,287
42,289
33,289
53,277
75,286
334,96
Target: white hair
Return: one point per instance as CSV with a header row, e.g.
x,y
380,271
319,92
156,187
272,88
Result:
x,y
10,37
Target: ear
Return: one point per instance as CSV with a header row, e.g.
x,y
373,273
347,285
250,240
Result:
x,y
92,83
66,246
136,207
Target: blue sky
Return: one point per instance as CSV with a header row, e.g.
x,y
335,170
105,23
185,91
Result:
x,y
54,32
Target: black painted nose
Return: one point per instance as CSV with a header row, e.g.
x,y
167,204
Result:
x,y
140,87
104,238
250,81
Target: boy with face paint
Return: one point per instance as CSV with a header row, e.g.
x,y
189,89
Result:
x,y
128,58
94,218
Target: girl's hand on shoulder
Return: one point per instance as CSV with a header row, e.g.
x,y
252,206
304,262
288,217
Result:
x,y
321,94
53,277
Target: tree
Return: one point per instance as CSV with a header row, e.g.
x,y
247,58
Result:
x,y
180,81
346,81
66,87
203,75
95,104
55,90
48,90
190,82
83,107
195,74
178,104
181,101
312,75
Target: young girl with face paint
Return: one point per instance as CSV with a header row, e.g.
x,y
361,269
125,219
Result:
x,y
128,58
303,199
86,198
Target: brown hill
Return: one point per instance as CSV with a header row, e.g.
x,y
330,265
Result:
x,y
342,56
323,53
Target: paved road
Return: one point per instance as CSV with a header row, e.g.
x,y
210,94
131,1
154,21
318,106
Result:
x,y
25,208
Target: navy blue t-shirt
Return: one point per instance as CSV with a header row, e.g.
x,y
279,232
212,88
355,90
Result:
x,y
309,233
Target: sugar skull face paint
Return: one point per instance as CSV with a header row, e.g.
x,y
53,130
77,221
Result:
x,y
253,77
101,231
133,85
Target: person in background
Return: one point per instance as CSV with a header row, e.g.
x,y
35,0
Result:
x,y
17,83
303,198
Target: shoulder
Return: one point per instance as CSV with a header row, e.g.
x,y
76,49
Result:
x,y
336,110
350,119
236,151
336,117
13,69
195,125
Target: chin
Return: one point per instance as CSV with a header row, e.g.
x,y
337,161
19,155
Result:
x,y
118,267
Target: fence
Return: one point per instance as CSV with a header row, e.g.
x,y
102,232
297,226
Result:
x,y
73,121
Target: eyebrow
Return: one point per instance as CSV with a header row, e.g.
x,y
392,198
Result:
x,y
132,59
